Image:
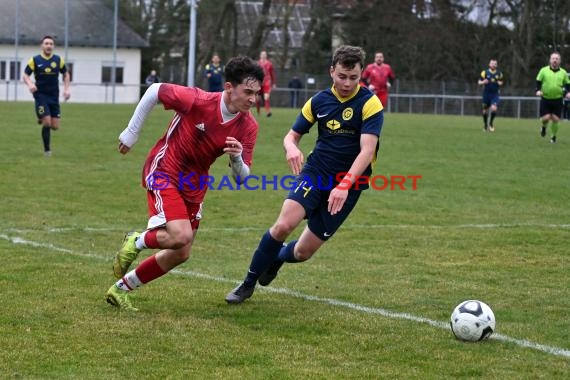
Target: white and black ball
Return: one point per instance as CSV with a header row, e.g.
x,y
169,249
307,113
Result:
x,y
472,321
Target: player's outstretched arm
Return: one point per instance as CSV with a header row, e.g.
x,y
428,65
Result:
x,y
66,83
28,81
292,152
338,195
130,135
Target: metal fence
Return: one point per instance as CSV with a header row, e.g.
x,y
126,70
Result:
x,y
413,100
435,104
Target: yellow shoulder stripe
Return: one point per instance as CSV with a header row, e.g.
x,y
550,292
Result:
x,y
61,63
32,64
307,113
371,107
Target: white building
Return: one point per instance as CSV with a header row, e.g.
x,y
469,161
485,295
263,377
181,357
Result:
x,y
90,55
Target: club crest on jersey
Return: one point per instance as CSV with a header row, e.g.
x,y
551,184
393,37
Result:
x,y
53,65
201,127
333,124
347,113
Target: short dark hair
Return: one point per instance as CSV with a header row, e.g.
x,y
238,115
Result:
x,y
47,36
241,68
348,56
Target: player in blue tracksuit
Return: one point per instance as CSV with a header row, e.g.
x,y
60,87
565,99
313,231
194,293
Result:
x,y
491,79
46,68
349,120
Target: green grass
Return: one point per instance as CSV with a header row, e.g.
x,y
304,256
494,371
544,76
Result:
x,y
490,220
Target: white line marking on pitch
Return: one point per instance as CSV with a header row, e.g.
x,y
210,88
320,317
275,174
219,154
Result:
x,y
330,301
554,226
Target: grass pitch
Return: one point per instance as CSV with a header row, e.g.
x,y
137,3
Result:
x,y
490,220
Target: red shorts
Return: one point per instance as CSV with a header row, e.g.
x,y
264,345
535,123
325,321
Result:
x,y
167,204
266,88
383,96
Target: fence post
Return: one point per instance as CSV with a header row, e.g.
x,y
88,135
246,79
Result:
x,y
397,92
443,97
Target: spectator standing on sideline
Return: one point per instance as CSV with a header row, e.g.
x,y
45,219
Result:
x,y
295,85
46,68
551,82
205,126
214,71
269,82
379,76
152,78
349,119
491,79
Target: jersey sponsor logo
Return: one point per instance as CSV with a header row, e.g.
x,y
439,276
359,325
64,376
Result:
x,y
347,113
321,116
333,125
201,127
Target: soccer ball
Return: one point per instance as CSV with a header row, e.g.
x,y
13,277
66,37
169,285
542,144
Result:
x,y
472,321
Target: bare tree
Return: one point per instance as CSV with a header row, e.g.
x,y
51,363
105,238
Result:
x,y
261,30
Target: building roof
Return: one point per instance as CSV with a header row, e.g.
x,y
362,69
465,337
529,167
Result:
x,y
90,23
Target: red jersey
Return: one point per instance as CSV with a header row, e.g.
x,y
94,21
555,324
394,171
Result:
x,y
196,136
378,76
268,73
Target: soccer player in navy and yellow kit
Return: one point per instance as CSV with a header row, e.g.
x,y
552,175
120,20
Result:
x,y
551,82
214,71
46,68
349,119
491,79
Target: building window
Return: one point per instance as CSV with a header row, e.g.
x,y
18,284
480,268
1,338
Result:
x,y
14,70
10,70
106,74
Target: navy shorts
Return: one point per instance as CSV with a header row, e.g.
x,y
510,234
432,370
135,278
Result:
x,y
551,106
47,105
313,194
489,99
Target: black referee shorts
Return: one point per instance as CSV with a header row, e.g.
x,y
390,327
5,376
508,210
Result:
x,y
551,106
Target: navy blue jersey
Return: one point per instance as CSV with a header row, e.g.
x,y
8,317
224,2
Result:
x,y
216,78
341,122
493,76
46,72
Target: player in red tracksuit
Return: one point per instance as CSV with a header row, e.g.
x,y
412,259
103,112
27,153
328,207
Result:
x,y
269,82
379,76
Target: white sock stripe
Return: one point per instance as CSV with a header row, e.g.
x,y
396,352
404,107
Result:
x,y
132,280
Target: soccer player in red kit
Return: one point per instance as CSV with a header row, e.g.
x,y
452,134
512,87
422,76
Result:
x,y
268,82
379,75
204,127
